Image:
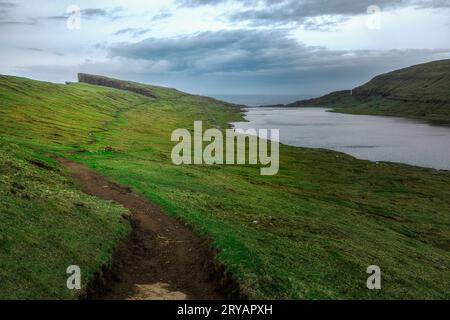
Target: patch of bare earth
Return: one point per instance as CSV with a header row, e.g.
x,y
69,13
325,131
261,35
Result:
x,y
162,259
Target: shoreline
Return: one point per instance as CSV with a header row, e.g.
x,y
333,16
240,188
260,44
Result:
x,y
247,122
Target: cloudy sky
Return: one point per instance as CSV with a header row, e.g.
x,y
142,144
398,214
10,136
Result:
x,y
223,46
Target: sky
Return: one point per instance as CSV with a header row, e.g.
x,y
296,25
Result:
x,y
223,46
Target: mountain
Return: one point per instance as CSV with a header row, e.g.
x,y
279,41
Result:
x,y
421,91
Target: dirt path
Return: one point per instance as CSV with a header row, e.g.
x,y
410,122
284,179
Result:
x,y
163,259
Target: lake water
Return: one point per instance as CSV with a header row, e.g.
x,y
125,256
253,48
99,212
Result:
x,y
373,138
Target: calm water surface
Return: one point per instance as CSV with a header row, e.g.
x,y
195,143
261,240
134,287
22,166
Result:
x,y
373,138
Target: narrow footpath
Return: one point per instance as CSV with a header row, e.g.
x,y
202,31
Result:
x,y
162,259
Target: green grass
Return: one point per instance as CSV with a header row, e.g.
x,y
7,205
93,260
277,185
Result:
x,y
436,113
319,223
48,224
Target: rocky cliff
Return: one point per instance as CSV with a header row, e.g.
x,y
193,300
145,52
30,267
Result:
x,y
114,83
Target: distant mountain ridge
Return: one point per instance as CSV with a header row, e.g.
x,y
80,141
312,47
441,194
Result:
x,y
420,91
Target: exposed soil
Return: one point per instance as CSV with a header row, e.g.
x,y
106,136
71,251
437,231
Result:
x,y
162,259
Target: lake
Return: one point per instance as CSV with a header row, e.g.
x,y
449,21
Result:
x,y
374,138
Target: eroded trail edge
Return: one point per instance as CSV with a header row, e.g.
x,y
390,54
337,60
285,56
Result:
x,y
162,259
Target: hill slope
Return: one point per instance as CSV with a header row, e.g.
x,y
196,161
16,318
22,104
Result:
x,y
309,232
426,83
48,224
421,91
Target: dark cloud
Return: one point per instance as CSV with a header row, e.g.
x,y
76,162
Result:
x,y
322,23
7,5
198,3
162,15
281,12
58,18
275,12
95,12
266,59
431,3
110,13
90,13
134,32
6,19
16,23
39,50
221,51
35,49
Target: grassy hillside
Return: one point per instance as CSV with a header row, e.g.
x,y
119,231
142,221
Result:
x,y
48,224
427,83
309,232
330,100
421,92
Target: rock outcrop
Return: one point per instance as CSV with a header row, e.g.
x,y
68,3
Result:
x,y
114,83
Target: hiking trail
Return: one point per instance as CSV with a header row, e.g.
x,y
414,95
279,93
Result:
x,y
162,259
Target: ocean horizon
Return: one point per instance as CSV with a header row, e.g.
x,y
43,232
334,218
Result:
x,y
254,100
